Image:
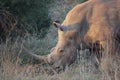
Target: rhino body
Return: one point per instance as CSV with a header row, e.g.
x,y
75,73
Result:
x,y
94,25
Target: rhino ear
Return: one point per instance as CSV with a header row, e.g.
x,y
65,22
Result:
x,y
59,26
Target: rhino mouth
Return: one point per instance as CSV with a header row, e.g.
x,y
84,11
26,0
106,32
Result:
x,y
59,69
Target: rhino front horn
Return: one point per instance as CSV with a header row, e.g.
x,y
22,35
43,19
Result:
x,y
59,26
37,57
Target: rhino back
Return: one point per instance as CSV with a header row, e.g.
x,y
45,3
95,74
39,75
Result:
x,y
103,20
97,19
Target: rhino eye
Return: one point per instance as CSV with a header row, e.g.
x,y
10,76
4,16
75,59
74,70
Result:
x,y
61,50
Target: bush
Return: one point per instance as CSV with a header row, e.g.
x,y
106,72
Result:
x,y
32,15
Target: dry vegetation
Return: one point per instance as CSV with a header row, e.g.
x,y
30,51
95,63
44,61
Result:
x,y
13,67
16,65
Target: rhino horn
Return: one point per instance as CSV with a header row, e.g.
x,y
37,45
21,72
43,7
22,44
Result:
x,y
59,26
37,57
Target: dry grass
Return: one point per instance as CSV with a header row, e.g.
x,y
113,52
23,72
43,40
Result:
x,y
12,67
16,65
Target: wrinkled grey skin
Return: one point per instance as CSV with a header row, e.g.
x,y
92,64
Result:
x,y
90,25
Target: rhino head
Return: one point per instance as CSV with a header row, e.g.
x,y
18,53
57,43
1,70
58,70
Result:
x,y
65,51
69,42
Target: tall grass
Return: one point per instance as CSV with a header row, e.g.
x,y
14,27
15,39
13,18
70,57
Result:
x,y
13,66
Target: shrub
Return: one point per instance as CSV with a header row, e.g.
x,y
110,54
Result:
x,y
32,15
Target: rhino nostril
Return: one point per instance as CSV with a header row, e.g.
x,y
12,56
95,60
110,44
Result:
x,y
51,60
59,69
